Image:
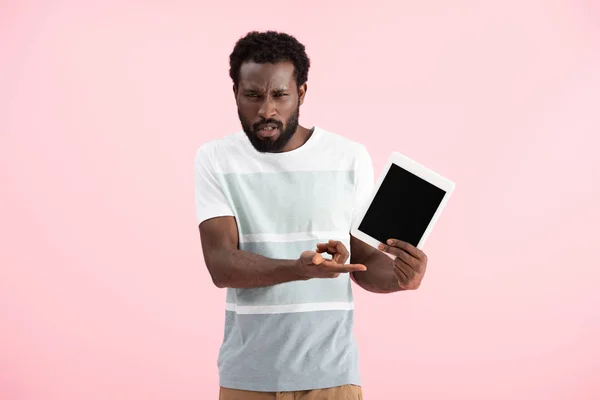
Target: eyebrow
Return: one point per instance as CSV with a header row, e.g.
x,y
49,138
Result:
x,y
253,89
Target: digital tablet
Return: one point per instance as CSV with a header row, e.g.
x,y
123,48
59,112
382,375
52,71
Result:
x,y
406,202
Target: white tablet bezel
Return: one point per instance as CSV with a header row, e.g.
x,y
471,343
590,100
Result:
x,y
419,170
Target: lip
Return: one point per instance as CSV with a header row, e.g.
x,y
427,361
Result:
x,y
263,133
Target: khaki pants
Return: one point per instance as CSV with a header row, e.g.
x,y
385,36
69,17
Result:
x,y
345,392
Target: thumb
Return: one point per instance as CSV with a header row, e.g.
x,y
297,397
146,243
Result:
x,y
311,257
317,258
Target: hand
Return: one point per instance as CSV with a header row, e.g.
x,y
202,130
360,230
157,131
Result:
x,y
311,264
409,265
336,249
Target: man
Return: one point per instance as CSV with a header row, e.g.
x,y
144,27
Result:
x,y
275,204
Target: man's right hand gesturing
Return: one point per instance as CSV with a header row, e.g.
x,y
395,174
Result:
x,y
311,264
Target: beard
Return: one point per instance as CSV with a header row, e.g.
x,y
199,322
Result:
x,y
267,145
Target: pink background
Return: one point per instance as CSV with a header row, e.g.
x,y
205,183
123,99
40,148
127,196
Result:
x,y
103,290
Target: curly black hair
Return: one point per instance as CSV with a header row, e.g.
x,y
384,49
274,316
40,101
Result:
x,y
269,47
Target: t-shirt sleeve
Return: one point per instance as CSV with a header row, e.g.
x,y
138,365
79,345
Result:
x,y
210,198
364,182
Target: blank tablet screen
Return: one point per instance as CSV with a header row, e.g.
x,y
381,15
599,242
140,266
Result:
x,y
402,207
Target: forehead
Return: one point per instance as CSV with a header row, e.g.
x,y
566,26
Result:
x,y
267,75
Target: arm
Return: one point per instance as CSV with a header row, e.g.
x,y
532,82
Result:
x,y
384,274
230,267
379,276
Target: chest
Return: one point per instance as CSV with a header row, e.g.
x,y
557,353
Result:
x,y
290,202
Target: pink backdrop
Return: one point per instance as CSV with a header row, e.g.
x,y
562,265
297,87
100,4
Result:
x,y
103,291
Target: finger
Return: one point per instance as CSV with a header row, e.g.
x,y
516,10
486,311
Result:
x,y
404,272
332,266
393,250
325,252
340,258
337,250
330,247
338,255
406,269
407,259
336,244
407,247
326,247
322,247
403,255
413,263
341,249
403,279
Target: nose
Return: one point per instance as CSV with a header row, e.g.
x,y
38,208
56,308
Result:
x,y
267,109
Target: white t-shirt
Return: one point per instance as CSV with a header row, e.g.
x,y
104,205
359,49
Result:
x,y
295,335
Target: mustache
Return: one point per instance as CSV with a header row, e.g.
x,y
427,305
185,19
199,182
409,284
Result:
x,y
279,124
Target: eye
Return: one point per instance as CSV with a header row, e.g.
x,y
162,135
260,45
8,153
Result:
x,y
280,94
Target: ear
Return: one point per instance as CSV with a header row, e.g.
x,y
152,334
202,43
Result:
x,y
302,92
235,92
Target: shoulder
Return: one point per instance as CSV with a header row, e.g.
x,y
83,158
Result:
x,y
343,142
344,147
215,150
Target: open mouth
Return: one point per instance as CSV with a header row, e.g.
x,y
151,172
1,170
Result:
x,y
267,130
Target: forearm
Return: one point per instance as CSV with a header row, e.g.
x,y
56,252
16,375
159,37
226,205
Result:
x,y
243,269
379,276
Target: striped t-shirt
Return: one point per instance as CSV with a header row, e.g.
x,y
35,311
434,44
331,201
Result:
x,y
296,335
